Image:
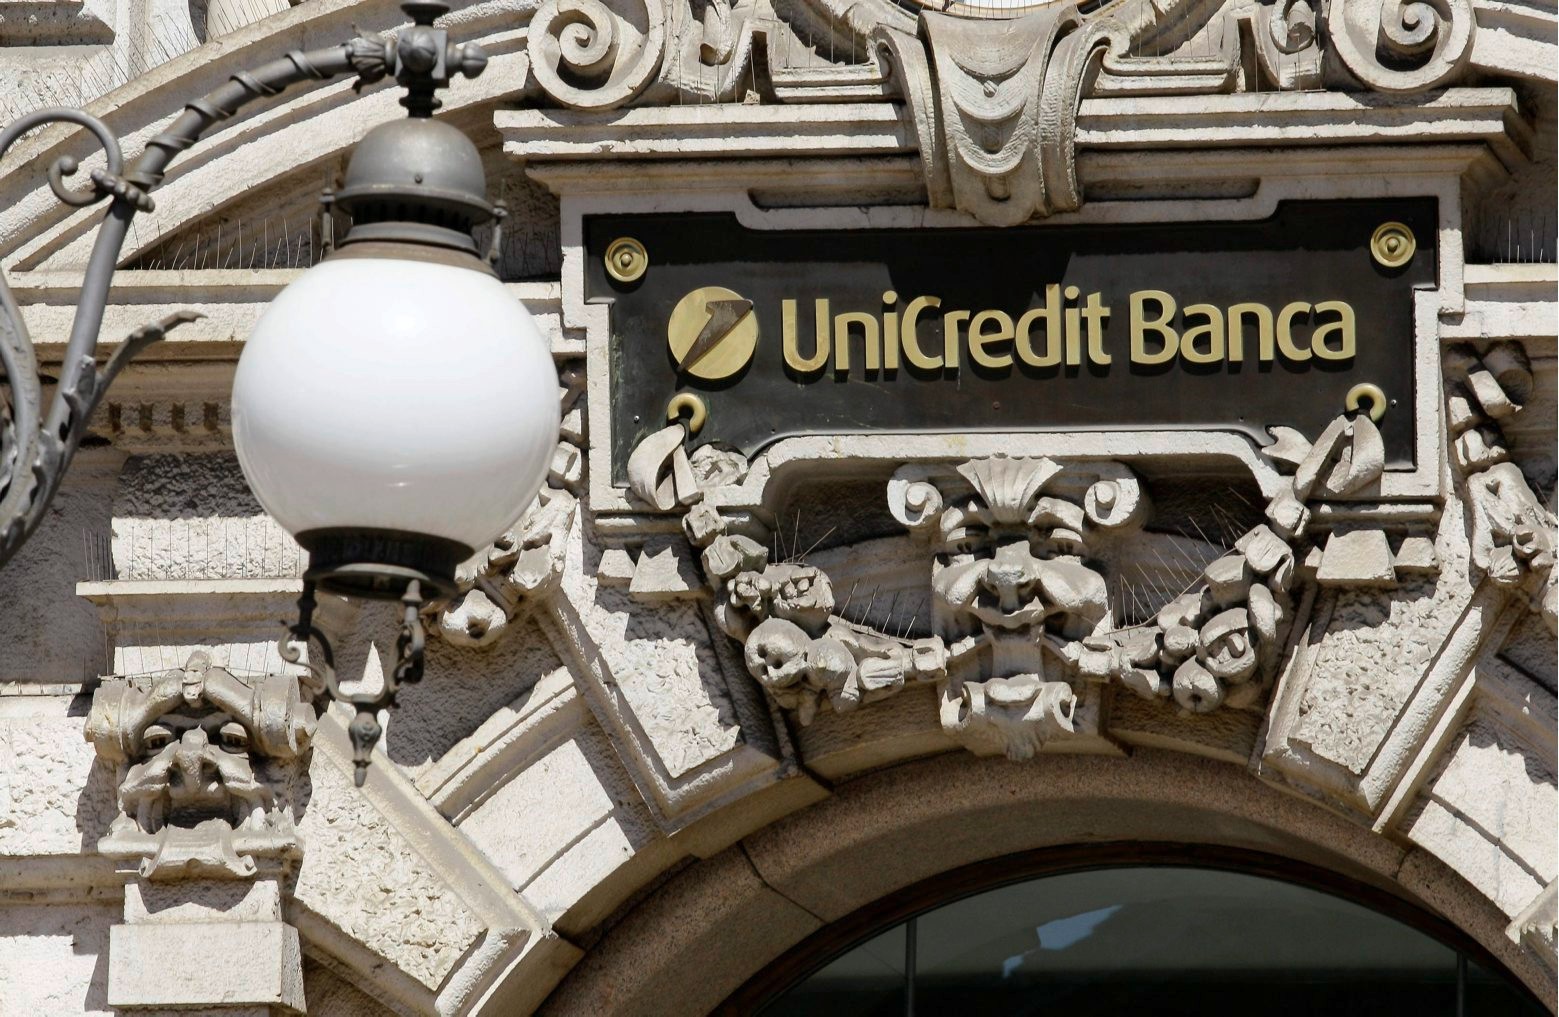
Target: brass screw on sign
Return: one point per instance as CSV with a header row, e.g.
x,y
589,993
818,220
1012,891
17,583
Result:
x,y
1393,244
626,259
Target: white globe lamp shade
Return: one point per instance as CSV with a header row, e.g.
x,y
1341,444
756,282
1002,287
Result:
x,y
395,408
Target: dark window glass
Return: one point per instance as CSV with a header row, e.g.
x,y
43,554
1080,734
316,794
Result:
x,y
1154,942
868,981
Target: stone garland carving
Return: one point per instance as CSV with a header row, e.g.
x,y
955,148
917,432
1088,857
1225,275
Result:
x,y
526,563
588,54
1022,617
204,760
1401,45
1513,532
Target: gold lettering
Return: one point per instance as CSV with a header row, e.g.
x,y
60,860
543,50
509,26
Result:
x,y
1141,324
890,332
793,358
1343,326
1050,312
1212,328
1095,313
979,337
1074,330
1263,315
910,334
869,339
950,323
1286,317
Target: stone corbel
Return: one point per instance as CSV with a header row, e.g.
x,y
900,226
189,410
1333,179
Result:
x,y
204,761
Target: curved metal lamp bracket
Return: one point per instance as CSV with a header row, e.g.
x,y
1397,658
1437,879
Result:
x,y
364,729
36,448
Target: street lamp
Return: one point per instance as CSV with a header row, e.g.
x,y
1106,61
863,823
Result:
x,y
395,409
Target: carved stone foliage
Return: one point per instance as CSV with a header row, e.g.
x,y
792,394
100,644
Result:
x,y
1022,555
204,761
1015,589
1513,531
526,562
992,101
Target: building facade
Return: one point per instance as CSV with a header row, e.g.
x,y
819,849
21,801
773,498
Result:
x,y
997,441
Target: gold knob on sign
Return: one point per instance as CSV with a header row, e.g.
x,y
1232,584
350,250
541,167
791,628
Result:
x,y
689,404
1393,244
1366,391
626,259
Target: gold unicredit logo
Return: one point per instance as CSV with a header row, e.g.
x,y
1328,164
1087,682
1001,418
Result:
x,y
713,333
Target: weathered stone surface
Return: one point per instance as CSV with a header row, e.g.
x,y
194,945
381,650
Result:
x,y
329,995
663,660
1491,812
703,927
189,517
364,878
1374,652
46,634
54,796
220,964
461,687
54,958
547,808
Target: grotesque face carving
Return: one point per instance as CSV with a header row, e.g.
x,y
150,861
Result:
x,y
194,749
1012,560
1015,588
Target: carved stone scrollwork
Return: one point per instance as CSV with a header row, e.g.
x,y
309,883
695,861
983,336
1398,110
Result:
x,y
586,54
1287,42
203,759
1401,45
996,119
1513,532
522,565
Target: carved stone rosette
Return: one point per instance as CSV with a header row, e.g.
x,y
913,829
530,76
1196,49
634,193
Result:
x,y
205,762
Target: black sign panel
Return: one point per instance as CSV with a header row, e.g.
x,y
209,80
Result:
x,y
1208,326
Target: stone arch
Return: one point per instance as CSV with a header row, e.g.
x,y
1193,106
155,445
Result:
x,y
730,915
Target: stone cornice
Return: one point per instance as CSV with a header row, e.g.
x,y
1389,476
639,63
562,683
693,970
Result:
x,y
1168,122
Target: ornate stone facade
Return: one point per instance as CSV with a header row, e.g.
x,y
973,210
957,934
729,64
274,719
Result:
x,y
716,700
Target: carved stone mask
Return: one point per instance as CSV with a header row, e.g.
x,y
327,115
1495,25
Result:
x,y
191,748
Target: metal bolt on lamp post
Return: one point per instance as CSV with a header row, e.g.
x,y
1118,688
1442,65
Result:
x,y
395,408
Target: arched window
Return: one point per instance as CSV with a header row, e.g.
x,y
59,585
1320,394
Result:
x,y
1149,941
